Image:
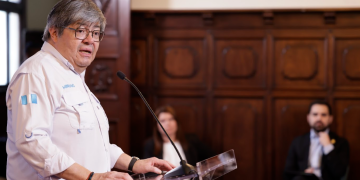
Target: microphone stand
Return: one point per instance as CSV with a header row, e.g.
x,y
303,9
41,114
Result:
x,y
186,169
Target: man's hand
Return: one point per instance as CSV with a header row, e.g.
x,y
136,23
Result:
x,y
153,164
324,138
309,170
113,175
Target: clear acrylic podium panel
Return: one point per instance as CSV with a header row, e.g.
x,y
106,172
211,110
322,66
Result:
x,y
208,169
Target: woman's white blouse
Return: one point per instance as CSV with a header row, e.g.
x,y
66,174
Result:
x,y
169,153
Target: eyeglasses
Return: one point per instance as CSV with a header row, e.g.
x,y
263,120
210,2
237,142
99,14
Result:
x,y
83,33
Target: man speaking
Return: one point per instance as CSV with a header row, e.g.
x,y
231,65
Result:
x,y
56,127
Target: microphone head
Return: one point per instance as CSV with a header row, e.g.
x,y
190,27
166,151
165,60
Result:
x,y
121,75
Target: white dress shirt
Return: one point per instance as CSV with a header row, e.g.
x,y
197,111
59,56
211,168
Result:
x,y
316,152
54,120
170,154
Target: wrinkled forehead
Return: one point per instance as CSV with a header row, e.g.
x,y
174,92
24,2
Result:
x,y
87,25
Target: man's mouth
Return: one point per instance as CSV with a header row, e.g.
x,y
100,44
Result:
x,y
86,51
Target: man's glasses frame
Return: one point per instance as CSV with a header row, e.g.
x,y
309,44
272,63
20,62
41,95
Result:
x,y
101,35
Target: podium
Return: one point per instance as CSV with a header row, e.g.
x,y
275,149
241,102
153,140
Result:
x,y
208,169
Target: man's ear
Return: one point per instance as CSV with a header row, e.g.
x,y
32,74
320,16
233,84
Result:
x,y
331,119
53,34
308,118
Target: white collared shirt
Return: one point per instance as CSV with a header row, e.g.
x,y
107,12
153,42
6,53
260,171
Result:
x,y
54,120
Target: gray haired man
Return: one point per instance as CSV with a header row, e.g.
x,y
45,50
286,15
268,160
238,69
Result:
x,y
57,128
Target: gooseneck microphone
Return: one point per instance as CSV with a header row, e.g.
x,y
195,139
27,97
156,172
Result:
x,y
184,168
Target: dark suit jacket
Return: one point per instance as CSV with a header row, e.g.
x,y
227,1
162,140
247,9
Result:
x,y
196,151
333,165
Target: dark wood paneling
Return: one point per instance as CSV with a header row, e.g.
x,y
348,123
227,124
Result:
x,y
140,126
300,64
100,76
348,121
347,63
253,75
181,63
347,19
295,19
240,63
243,20
138,62
237,125
110,9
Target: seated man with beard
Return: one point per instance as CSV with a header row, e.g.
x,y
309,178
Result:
x,y
318,154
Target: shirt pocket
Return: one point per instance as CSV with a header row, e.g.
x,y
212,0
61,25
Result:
x,y
84,111
104,122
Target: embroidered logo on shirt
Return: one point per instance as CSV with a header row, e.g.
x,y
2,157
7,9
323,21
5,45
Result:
x,y
68,86
29,136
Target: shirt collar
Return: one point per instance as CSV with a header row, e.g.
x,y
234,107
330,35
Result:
x,y
47,47
313,134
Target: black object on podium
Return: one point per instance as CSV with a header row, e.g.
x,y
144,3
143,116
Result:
x,y
208,169
184,169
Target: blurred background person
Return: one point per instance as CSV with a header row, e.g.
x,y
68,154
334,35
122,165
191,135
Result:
x,y
190,147
320,153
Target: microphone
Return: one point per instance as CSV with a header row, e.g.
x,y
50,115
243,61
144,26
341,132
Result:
x,y
184,168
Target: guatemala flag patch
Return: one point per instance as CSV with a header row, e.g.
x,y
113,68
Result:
x,y
33,99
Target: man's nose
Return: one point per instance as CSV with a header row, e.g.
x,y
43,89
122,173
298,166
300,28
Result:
x,y
89,39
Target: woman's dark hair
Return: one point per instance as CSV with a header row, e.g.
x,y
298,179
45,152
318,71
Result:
x,y
158,141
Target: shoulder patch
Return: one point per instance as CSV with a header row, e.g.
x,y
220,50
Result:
x,y
24,100
33,98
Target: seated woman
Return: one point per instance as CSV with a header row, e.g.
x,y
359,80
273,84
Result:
x,y
189,146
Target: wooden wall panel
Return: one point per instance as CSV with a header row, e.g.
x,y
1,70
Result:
x,y
138,62
295,19
223,20
240,63
140,127
347,63
300,64
238,125
348,120
180,63
110,9
100,76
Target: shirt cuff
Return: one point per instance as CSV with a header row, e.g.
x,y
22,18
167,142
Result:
x,y
328,149
115,153
57,164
